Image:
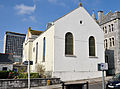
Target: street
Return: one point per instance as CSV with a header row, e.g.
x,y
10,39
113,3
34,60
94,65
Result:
x,y
97,85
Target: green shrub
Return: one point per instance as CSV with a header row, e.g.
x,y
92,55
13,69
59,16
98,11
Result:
x,y
15,75
22,76
4,74
34,75
25,75
12,75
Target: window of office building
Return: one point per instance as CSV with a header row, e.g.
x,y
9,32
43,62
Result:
x,y
109,28
112,27
113,41
110,42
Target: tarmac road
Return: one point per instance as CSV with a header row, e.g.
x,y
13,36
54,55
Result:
x,y
97,85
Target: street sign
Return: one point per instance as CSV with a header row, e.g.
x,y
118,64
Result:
x,y
26,62
102,66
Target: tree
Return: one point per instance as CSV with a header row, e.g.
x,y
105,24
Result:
x,y
40,69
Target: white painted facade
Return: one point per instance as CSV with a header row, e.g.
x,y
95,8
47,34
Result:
x,y
79,65
8,66
49,53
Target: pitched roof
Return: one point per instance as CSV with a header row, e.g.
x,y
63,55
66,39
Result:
x,y
14,33
110,16
34,32
66,14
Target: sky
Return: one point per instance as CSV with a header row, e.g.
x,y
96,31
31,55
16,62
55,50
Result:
x,y
18,15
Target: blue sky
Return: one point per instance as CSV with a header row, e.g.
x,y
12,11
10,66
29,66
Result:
x,y
18,15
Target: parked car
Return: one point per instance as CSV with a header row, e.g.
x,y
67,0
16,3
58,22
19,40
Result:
x,y
114,83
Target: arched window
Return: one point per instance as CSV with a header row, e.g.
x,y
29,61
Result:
x,y
68,44
44,49
36,52
91,46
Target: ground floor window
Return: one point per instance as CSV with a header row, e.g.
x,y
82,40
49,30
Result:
x,y
4,68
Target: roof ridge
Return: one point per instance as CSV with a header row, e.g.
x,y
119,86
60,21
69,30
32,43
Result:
x,y
66,14
36,30
107,14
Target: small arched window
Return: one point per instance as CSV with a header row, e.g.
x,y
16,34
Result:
x,y
68,44
91,46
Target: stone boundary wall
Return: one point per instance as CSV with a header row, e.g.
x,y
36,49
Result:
x,y
23,83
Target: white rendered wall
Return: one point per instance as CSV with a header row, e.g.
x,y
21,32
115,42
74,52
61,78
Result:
x,y
79,66
9,66
49,50
27,50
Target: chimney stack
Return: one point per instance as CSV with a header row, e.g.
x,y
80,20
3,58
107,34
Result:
x,y
100,16
93,15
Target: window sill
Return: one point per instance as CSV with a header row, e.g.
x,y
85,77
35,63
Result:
x,y
70,56
93,57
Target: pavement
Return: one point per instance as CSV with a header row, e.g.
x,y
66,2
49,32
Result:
x,y
58,86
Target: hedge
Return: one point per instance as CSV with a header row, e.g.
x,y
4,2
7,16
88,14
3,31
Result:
x,y
15,75
25,75
4,74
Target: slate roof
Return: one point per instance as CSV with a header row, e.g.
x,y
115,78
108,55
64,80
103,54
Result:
x,y
6,58
110,16
34,32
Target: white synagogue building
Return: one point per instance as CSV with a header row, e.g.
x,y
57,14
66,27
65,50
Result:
x,y
70,48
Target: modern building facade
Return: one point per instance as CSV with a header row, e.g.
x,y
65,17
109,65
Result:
x,y
70,48
110,23
13,43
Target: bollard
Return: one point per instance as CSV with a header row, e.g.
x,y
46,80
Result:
x,y
63,85
87,85
48,82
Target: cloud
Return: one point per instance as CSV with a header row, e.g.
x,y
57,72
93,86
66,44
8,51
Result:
x,y
57,2
23,9
30,18
24,19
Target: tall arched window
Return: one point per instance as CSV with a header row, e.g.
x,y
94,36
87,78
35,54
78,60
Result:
x,y
68,44
44,49
36,52
91,46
